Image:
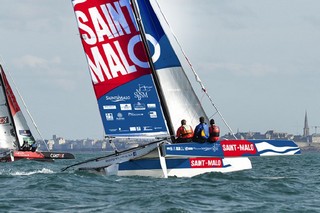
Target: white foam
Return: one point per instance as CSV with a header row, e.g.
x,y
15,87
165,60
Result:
x,y
23,173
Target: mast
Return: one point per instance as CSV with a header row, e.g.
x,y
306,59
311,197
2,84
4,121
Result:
x,y
8,105
154,74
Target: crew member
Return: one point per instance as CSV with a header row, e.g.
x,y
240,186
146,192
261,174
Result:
x,y
25,146
201,132
184,132
214,132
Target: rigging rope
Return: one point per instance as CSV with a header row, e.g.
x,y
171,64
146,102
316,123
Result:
x,y
195,73
27,110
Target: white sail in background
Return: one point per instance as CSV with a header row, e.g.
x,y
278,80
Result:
x,y
7,133
20,130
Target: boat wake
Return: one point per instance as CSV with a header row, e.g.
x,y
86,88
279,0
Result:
x,y
27,173
272,178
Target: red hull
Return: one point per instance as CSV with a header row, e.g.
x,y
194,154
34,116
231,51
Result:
x,y
28,155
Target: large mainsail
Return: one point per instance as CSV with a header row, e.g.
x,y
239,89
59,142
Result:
x,y
19,129
119,64
122,78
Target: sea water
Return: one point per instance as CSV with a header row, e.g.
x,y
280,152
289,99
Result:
x,y
275,184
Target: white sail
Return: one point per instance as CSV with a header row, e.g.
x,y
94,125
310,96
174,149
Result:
x,y
19,129
7,133
16,140
180,98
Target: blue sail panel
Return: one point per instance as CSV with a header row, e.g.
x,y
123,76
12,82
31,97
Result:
x,y
132,109
159,45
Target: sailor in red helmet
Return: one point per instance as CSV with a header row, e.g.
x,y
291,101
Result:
x,y
214,132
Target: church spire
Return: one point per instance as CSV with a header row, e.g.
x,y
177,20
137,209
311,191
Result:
x,y
306,126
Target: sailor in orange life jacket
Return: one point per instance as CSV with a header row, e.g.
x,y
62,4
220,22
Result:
x,y
184,132
214,132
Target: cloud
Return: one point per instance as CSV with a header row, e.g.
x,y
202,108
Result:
x,y
51,71
36,62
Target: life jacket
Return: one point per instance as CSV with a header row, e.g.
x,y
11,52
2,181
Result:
x,y
214,132
185,131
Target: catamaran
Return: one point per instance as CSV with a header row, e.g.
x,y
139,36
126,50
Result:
x,y
16,139
143,93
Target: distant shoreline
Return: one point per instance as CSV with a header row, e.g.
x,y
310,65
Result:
x,y
309,146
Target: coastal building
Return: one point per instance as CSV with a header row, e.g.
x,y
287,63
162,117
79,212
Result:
x,y
306,132
61,144
315,138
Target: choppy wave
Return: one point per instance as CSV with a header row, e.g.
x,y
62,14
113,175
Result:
x,y
275,184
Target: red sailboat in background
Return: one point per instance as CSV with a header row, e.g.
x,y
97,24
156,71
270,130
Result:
x,y
16,139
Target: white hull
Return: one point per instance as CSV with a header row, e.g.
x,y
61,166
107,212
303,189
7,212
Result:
x,y
237,164
160,159
148,163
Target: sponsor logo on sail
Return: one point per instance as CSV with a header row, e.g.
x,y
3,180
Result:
x,y
147,128
109,116
120,116
151,106
153,114
125,107
139,106
123,130
109,107
135,128
135,114
158,128
117,98
142,91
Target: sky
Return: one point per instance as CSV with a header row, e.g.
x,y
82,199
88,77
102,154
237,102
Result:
x,y
258,60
